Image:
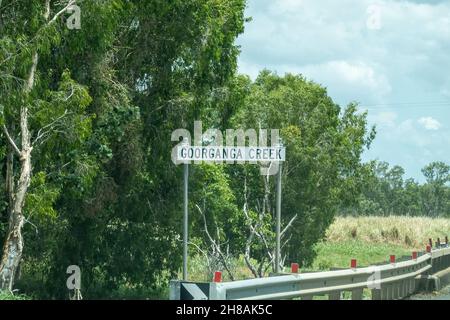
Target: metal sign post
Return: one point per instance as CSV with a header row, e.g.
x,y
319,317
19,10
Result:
x,y
187,153
185,222
278,227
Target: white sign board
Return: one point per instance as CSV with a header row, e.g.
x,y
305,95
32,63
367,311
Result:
x,y
231,154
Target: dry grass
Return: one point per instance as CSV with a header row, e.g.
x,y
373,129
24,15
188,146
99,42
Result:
x,y
408,232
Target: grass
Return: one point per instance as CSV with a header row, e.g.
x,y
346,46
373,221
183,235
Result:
x,y
198,270
338,255
406,232
369,240
372,240
9,296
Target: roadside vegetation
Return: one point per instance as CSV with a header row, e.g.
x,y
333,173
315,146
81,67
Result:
x,y
87,178
10,296
369,240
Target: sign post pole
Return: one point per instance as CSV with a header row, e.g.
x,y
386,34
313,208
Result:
x,y
187,153
278,222
185,221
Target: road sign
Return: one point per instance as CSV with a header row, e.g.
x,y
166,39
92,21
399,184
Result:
x,y
231,154
216,154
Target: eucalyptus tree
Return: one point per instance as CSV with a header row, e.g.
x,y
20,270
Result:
x,y
101,107
32,110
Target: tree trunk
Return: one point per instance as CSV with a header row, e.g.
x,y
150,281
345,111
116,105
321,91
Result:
x,y
13,247
12,250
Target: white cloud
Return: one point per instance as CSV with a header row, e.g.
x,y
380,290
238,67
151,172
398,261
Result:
x,y
430,123
381,53
350,80
385,119
311,37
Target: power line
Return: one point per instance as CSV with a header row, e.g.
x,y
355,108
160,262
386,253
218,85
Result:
x,y
407,105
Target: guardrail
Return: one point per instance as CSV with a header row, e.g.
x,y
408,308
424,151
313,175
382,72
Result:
x,y
395,280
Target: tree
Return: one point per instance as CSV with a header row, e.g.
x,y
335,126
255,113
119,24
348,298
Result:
x,y
386,192
435,193
24,44
324,146
103,177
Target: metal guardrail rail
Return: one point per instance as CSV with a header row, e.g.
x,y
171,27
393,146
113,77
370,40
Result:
x,y
390,281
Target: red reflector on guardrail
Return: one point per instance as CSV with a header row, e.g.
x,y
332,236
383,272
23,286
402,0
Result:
x,y
217,276
414,255
428,248
353,263
392,258
294,267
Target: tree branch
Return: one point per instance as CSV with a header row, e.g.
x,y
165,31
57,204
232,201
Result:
x,y
41,133
11,141
288,225
216,245
56,16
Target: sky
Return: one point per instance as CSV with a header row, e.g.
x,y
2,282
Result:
x,y
391,56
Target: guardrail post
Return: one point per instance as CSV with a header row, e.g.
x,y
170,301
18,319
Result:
x,y
385,292
405,290
395,290
430,242
335,295
406,286
174,290
357,294
413,285
376,294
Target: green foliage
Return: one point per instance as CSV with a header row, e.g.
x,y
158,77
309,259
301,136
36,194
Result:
x,y
105,195
9,296
41,198
385,192
324,145
338,255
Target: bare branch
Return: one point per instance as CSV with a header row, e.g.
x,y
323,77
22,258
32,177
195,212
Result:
x,y
11,141
57,15
288,225
216,245
211,239
43,132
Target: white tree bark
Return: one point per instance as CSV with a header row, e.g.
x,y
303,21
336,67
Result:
x,y
13,247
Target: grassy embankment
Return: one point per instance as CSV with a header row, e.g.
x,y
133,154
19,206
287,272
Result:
x,y
372,239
